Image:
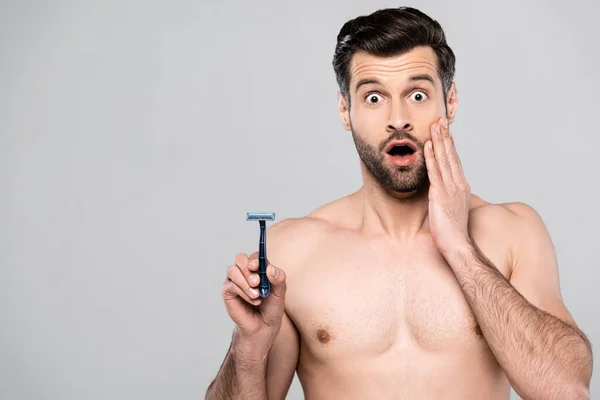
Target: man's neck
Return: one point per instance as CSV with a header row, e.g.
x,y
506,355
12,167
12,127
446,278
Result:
x,y
399,216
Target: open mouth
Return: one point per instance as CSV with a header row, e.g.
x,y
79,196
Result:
x,y
402,153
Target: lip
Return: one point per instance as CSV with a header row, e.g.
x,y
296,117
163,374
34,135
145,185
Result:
x,y
403,142
403,161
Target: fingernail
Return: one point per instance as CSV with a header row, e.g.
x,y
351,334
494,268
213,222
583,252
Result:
x,y
429,145
437,128
445,122
274,272
253,292
254,278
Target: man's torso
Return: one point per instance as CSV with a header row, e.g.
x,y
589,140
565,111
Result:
x,y
385,319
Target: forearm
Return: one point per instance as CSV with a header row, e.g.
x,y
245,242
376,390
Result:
x,y
241,376
542,356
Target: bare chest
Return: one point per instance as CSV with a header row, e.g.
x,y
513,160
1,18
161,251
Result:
x,y
369,300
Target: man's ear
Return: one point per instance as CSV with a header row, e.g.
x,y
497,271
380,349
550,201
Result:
x,y
451,102
344,111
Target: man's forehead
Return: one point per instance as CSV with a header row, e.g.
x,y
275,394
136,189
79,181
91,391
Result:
x,y
420,60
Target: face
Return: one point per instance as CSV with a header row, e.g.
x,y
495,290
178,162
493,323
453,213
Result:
x,y
394,101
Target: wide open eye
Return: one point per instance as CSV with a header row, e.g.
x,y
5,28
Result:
x,y
419,96
373,98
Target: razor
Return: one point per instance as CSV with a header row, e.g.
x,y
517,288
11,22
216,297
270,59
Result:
x,y
264,286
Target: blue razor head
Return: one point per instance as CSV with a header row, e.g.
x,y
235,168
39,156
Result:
x,y
260,216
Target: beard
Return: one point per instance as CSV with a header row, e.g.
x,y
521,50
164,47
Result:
x,y
400,179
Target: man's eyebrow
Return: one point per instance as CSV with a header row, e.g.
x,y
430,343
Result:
x,y
422,77
366,81
414,78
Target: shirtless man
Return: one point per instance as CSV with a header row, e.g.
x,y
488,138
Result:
x,y
411,287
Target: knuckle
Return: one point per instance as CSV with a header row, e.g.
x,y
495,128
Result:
x,y
241,258
281,275
244,269
463,186
281,289
231,270
226,288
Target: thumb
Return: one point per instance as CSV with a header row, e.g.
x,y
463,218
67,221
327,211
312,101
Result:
x,y
272,307
277,278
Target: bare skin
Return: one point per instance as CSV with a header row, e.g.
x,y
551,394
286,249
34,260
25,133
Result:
x,y
383,295
381,317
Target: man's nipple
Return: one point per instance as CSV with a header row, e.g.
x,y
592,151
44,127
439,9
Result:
x,y
323,336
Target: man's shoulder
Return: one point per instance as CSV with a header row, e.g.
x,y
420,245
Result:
x,y
323,220
508,215
298,228
500,229
292,240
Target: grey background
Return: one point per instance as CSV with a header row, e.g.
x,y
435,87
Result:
x,y
134,136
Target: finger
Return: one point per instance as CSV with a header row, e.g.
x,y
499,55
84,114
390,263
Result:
x,y
439,149
251,274
237,278
277,277
233,293
248,266
453,158
444,128
435,179
275,303
241,259
253,263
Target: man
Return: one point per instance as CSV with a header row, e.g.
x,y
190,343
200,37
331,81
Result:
x,y
411,287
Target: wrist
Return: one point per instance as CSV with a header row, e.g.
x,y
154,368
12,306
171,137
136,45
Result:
x,y
459,254
250,351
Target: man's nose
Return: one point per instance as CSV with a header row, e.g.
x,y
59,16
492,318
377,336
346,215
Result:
x,y
398,118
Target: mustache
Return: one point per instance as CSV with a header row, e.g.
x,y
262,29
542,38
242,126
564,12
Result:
x,y
401,135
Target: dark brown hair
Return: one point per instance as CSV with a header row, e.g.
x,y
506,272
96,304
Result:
x,y
390,32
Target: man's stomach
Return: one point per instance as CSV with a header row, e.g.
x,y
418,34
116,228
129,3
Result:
x,y
405,373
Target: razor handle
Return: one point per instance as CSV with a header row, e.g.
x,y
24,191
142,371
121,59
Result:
x,y
264,286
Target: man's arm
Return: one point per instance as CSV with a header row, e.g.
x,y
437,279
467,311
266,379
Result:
x,y
245,374
544,356
242,375
264,350
526,324
283,360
